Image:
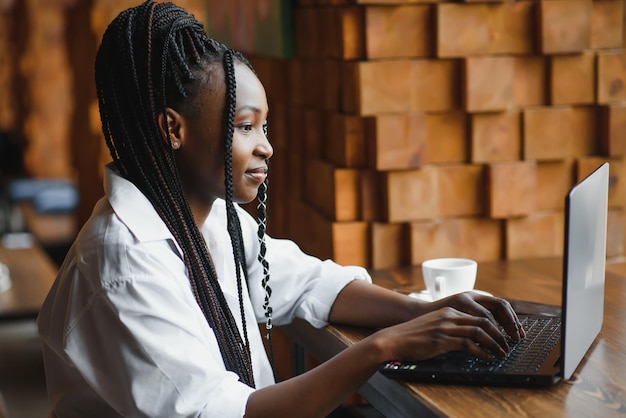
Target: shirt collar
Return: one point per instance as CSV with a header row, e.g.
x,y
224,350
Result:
x,y
133,208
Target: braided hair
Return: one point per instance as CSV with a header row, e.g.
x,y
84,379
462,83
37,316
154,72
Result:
x,y
151,57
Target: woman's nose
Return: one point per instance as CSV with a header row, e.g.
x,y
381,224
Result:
x,y
265,148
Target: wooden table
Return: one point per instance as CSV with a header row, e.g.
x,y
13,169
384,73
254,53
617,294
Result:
x,y
32,274
597,389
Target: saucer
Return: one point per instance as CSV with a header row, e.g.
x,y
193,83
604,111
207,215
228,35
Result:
x,y
425,295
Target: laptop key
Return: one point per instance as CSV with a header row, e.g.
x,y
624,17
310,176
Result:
x,y
542,334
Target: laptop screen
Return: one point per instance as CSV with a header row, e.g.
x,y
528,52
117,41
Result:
x,y
584,266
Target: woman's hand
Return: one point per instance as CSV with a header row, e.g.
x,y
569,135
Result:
x,y
499,311
468,322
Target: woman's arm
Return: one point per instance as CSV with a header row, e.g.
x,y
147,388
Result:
x,y
421,330
320,390
363,304
368,305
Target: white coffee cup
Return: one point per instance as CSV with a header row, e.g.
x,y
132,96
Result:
x,y
448,276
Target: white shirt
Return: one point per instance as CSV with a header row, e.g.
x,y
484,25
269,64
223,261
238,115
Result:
x,y
123,334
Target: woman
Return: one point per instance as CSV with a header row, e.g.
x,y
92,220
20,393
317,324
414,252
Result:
x,y
154,309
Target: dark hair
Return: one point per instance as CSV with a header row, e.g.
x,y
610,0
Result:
x,y
151,57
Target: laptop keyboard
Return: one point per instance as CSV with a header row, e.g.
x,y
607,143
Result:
x,y
526,355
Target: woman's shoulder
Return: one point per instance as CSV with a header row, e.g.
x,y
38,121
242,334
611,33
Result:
x,y
108,246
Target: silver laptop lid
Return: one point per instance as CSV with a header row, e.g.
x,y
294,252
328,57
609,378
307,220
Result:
x,y
584,262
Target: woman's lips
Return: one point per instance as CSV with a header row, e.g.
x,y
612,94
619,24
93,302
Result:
x,y
258,174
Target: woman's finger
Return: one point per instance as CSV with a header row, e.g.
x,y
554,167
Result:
x,y
481,330
499,311
505,315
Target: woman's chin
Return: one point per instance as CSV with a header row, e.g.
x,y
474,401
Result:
x,y
244,199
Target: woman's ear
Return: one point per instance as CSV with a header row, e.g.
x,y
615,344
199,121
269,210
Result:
x,y
172,122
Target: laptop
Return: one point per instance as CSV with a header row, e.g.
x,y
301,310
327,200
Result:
x,y
565,333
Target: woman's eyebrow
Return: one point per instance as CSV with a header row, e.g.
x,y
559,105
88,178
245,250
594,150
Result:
x,y
249,107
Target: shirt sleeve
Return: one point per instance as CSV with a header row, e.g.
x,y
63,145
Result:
x,y
144,346
302,285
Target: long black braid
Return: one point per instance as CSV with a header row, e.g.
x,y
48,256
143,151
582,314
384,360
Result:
x,y
151,57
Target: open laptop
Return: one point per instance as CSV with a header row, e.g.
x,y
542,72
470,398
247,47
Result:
x,y
569,330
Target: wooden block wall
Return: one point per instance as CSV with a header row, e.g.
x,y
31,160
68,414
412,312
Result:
x,y
450,129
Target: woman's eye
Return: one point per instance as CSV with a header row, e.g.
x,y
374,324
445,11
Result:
x,y
265,129
246,127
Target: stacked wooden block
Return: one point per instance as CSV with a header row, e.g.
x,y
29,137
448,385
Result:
x,y
410,130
